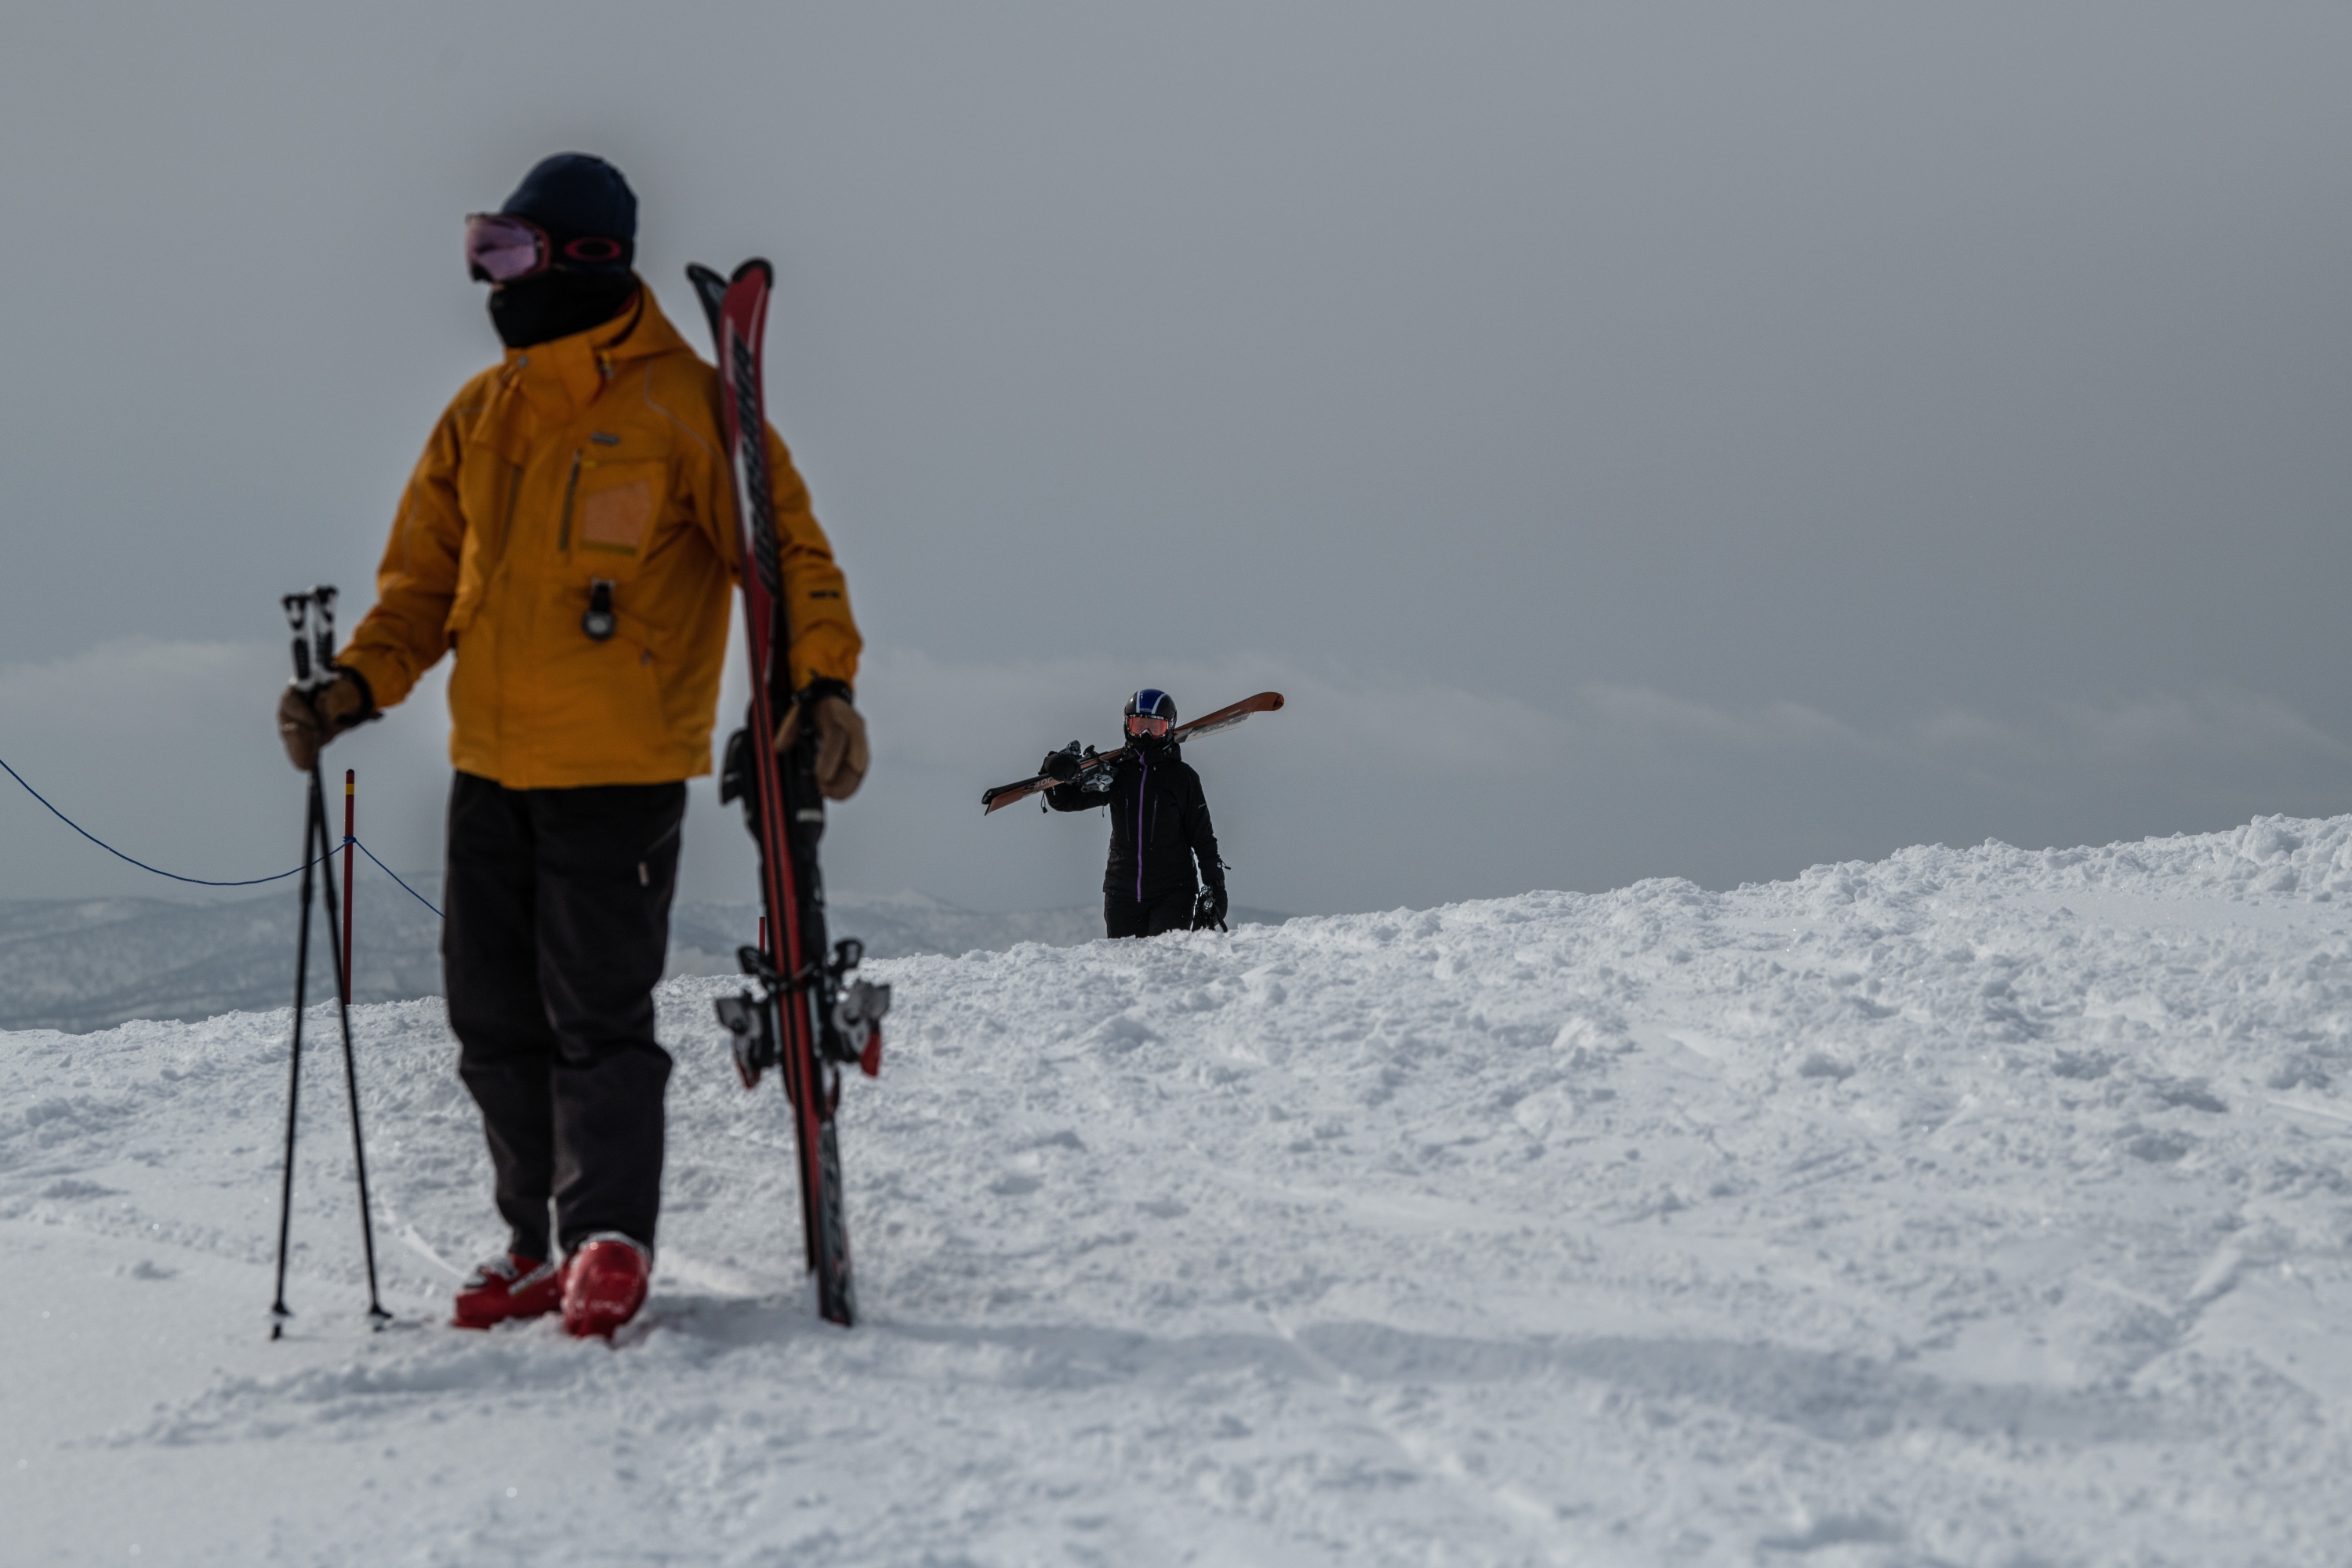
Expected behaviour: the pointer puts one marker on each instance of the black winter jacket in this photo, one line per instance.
(1159, 824)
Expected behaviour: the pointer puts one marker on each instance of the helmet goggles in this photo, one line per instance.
(503, 249)
(1141, 725)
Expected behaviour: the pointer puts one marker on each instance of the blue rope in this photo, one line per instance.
(111, 850)
(395, 877)
(200, 882)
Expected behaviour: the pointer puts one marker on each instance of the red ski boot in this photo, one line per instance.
(508, 1288)
(604, 1284)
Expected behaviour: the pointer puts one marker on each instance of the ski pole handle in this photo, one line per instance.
(311, 616)
(298, 617)
(322, 634)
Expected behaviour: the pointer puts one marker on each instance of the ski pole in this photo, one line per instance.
(339, 942)
(279, 1311)
(298, 616)
(313, 617)
(351, 795)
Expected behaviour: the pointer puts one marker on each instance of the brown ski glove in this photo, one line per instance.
(841, 750)
(304, 724)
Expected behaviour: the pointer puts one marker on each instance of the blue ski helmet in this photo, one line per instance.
(1150, 704)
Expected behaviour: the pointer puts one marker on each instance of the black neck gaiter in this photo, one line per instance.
(557, 304)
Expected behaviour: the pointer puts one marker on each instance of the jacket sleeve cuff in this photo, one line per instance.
(367, 709)
(825, 686)
(375, 674)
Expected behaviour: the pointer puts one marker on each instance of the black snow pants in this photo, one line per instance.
(558, 923)
(1123, 916)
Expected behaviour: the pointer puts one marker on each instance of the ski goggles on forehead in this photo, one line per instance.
(1146, 724)
(500, 249)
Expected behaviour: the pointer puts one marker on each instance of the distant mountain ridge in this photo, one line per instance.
(80, 965)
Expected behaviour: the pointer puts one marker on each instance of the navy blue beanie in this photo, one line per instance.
(580, 201)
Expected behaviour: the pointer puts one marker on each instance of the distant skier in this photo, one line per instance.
(567, 536)
(1159, 826)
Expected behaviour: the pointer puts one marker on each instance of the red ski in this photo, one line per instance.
(805, 1017)
(1002, 795)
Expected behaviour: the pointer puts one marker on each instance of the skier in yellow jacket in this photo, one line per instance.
(569, 536)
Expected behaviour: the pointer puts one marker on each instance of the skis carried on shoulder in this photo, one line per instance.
(803, 1015)
(1002, 795)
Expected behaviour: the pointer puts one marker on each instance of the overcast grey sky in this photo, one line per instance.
(1643, 439)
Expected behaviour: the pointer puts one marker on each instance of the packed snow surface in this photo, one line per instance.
(1973, 1207)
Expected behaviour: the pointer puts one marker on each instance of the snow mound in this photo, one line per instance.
(1971, 1206)
(2279, 857)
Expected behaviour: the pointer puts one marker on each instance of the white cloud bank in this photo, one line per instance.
(1357, 795)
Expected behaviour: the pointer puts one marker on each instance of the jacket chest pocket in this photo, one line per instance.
(610, 510)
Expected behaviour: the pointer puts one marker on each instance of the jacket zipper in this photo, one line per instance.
(570, 488)
(1141, 790)
(514, 494)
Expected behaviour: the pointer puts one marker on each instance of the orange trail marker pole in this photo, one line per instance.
(350, 793)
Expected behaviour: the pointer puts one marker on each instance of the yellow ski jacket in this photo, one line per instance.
(594, 459)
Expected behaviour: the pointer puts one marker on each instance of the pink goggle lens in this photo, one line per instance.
(503, 248)
(1146, 724)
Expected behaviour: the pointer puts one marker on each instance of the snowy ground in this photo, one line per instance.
(1974, 1207)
